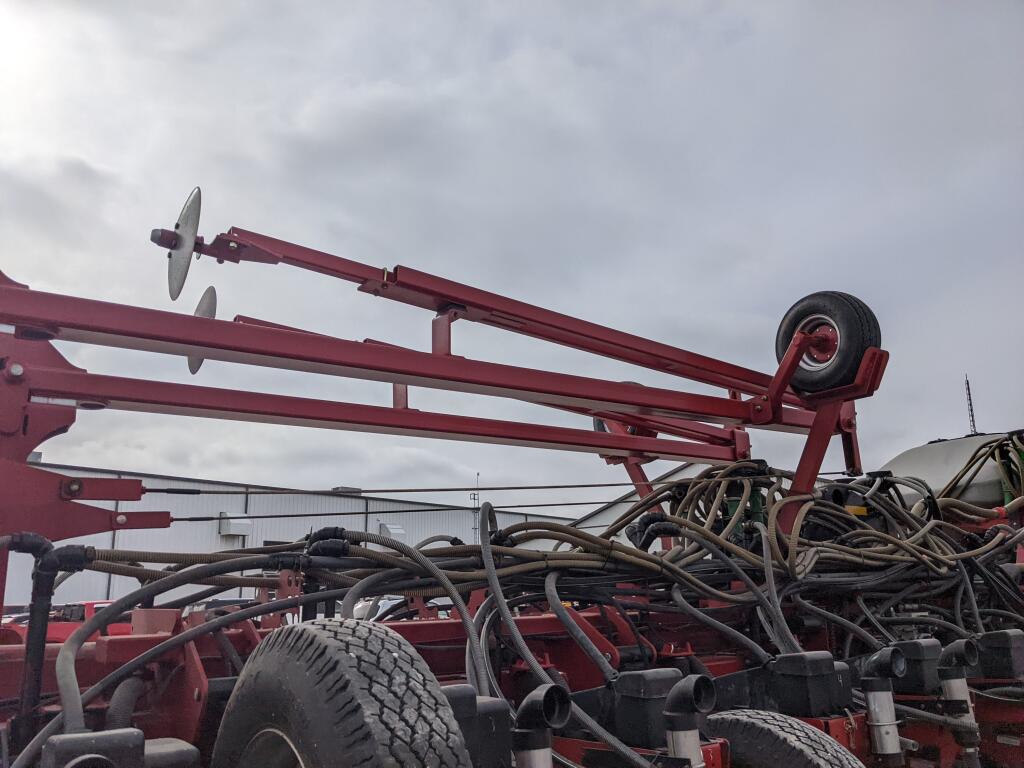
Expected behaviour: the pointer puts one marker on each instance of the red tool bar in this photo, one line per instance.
(188, 400)
(269, 250)
(688, 430)
(88, 321)
(438, 294)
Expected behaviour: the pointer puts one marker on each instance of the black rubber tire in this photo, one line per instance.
(858, 331)
(345, 694)
(600, 426)
(759, 739)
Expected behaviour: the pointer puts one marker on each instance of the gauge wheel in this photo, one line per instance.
(338, 694)
(845, 328)
(759, 739)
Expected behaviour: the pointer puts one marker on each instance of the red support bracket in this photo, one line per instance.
(833, 412)
(44, 503)
(441, 330)
(766, 406)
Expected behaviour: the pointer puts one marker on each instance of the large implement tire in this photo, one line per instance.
(849, 326)
(759, 739)
(338, 694)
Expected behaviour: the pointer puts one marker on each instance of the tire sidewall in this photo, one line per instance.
(344, 693)
(290, 702)
(856, 330)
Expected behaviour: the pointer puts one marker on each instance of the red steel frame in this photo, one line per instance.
(42, 390)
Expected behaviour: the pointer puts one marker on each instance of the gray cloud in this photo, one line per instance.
(680, 171)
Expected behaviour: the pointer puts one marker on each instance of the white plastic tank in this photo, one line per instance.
(939, 461)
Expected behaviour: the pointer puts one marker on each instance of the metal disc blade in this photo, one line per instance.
(180, 257)
(207, 308)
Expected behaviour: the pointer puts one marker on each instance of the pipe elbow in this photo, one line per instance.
(959, 653)
(546, 707)
(29, 543)
(889, 663)
(688, 699)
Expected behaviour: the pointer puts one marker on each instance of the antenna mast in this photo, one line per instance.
(970, 405)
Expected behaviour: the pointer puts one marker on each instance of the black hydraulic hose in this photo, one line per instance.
(392, 611)
(1008, 693)
(44, 576)
(485, 618)
(927, 621)
(889, 603)
(737, 637)
(609, 672)
(230, 653)
(999, 582)
(28, 756)
(869, 639)
(1012, 692)
(451, 540)
(648, 659)
(914, 713)
(356, 592)
(309, 587)
(487, 555)
(972, 599)
(773, 594)
(472, 675)
(957, 612)
(63, 577)
(1007, 615)
(195, 597)
(755, 591)
(122, 702)
(67, 679)
(873, 620)
(485, 635)
(930, 717)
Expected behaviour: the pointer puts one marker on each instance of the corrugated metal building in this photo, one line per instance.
(236, 515)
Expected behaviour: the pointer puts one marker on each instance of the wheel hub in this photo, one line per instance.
(825, 340)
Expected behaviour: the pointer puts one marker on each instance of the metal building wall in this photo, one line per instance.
(269, 515)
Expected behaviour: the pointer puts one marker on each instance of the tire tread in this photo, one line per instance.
(774, 739)
(385, 706)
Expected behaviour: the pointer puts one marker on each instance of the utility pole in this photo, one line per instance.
(474, 501)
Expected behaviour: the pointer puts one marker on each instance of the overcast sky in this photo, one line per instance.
(684, 171)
